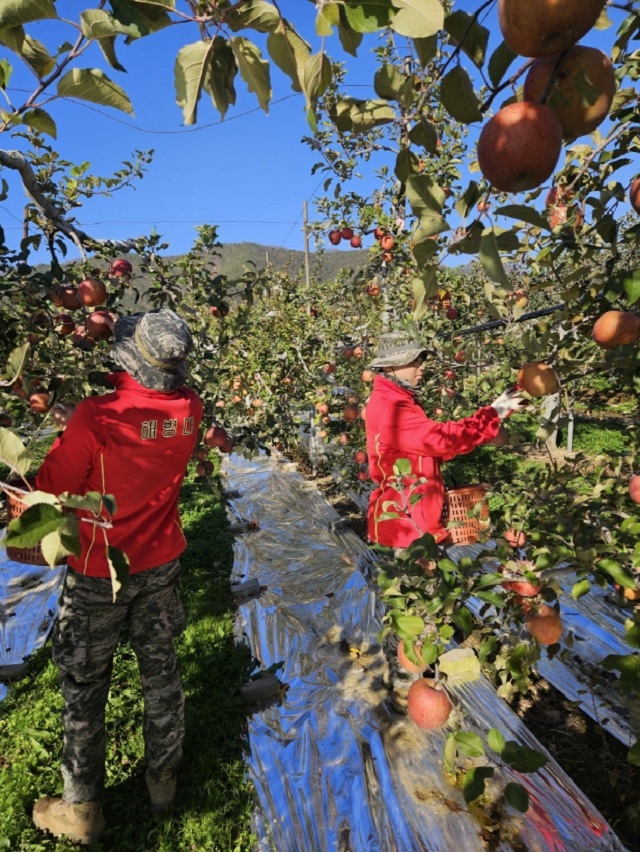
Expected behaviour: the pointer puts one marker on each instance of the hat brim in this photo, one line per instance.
(400, 358)
(127, 355)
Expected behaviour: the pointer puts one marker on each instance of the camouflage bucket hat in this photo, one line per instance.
(397, 349)
(152, 347)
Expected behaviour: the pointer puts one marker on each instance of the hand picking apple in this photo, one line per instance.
(508, 402)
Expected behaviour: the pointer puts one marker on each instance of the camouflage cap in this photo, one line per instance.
(152, 347)
(397, 349)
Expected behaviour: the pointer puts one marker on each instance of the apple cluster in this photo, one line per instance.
(520, 145)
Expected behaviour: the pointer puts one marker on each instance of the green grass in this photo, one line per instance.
(214, 799)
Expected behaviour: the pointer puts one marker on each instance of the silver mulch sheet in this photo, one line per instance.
(334, 767)
(28, 605)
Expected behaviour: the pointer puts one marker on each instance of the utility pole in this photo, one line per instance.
(307, 273)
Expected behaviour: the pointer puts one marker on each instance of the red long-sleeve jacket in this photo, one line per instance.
(397, 427)
(134, 443)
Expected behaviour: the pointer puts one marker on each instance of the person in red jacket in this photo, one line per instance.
(133, 443)
(397, 427)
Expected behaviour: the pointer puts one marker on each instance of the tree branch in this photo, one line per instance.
(15, 160)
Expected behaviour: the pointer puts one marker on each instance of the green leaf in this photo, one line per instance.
(316, 77)
(13, 38)
(491, 597)
(402, 467)
(190, 71)
(89, 502)
(36, 55)
(469, 744)
(13, 13)
(327, 18)
(388, 82)
(631, 284)
(522, 758)
(516, 796)
(633, 755)
(424, 287)
(118, 569)
(423, 193)
(13, 452)
(500, 60)
(109, 504)
(40, 120)
(424, 133)
(99, 24)
(490, 258)
(474, 782)
(34, 523)
(92, 84)
(220, 75)
(495, 740)
(629, 667)
(108, 48)
(15, 363)
(356, 116)
(617, 572)
(408, 626)
(406, 164)
(525, 214)
(418, 18)
(367, 16)
(463, 619)
(580, 588)
(129, 15)
(458, 97)
(449, 753)
(256, 15)
(426, 49)
(349, 40)
(465, 30)
(290, 53)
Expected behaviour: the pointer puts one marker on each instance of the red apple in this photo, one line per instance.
(616, 328)
(67, 297)
(346, 233)
(546, 26)
(360, 457)
(579, 67)
(120, 267)
(355, 241)
(63, 324)
(634, 488)
(519, 147)
(335, 237)
(92, 292)
(100, 325)
(634, 194)
(216, 436)
(82, 339)
(39, 402)
(428, 706)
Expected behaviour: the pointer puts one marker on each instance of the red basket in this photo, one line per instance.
(458, 505)
(15, 507)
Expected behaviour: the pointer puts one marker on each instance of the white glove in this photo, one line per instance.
(508, 402)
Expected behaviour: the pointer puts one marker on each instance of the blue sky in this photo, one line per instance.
(248, 173)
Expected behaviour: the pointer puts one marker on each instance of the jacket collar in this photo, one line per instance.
(386, 382)
(123, 381)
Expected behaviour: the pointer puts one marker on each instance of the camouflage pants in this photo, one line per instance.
(85, 637)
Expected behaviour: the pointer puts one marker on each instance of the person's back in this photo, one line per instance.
(133, 443)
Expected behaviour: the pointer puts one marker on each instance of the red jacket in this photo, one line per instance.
(134, 443)
(398, 428)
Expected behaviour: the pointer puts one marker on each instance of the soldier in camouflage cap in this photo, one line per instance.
(152, 347)
(135, 444)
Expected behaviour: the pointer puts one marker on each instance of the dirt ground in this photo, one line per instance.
(594, 759)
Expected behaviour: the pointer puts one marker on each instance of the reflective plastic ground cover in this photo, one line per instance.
(335, 768)
(28, 605)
